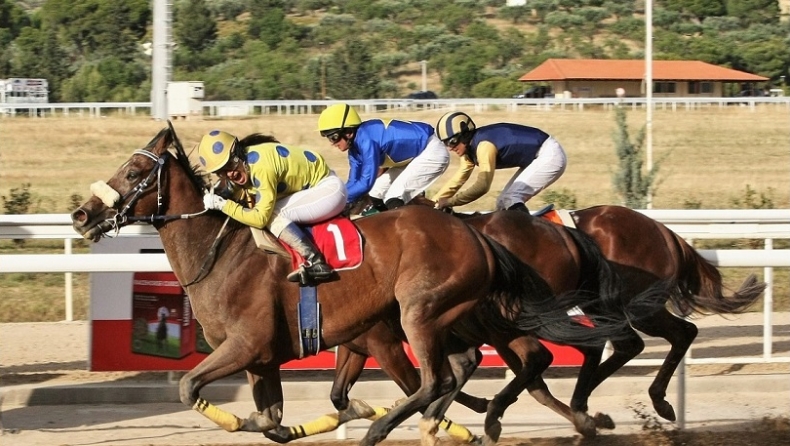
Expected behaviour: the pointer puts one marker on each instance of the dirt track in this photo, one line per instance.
(44, 354)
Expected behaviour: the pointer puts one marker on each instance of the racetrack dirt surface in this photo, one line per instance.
(55, 353)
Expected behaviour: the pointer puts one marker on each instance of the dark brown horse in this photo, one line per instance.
(432, 267)
(645, 253)
(566, 258)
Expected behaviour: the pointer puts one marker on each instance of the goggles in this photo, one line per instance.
(333, 136)
(452, 142)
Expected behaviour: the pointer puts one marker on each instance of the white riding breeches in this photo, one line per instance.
(413, 179)
(527, 182)
(321, 202)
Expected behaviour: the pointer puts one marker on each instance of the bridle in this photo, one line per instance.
(153, 179)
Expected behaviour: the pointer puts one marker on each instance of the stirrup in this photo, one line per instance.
(306, 276)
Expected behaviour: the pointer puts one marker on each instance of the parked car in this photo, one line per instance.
(751, 92)
(537, 91)
(428, 94)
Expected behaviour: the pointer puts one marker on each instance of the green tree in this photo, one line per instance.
(98, 28)
(350, 73)
(754, 11)
(195, 27)
(631, 184)
(699, 9)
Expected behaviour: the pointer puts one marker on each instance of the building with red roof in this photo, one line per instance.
(596, 78)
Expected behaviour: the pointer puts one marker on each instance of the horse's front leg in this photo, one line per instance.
(229, 358)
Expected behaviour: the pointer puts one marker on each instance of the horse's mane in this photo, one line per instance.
(255, 139)
(194, 172)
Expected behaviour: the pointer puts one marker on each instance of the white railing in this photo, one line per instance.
(289, 107)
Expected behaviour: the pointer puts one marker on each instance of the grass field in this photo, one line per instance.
(709, 158)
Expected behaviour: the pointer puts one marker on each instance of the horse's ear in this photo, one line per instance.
(175, 141)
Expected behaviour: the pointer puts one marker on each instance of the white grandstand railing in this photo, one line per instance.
(290, 107)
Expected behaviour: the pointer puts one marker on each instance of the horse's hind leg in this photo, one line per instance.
(348, 369)
(462, 365)
(680, 334)
(425, 343)
(230, 357)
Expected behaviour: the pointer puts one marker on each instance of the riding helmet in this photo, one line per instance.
(452, 124)
(215, 149)
(338, 117)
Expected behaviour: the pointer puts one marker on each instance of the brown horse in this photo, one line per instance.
(433, 267)
(567, 259)
(645, 253)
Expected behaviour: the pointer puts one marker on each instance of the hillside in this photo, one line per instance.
(91, 50)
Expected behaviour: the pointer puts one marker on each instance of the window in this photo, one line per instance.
(664, 87)
(697, 87)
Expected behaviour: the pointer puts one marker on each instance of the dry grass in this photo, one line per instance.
(709, 155)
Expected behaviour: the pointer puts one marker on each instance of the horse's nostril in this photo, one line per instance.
(79, 216)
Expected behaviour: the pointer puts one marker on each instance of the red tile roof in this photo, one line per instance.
(663, 70)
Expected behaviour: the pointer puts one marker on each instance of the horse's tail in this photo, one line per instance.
(701, 290)
(597, 275)
(522, 300)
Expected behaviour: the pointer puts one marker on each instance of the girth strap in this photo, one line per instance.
(309, 321)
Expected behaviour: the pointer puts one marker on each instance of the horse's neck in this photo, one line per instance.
(188, 244)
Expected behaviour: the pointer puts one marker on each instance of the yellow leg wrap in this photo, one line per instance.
(380, 412)
(457, 431)
(324, 423)
(225, 420)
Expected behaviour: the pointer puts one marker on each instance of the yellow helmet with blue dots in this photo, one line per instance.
(215, 149)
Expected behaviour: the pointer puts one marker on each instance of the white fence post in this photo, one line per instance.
(68, 284)
(768, 305)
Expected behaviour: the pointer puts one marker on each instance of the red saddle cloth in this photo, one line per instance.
(338, 240)
(553, 217)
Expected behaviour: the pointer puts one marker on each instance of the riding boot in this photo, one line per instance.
(519, 207)
(394, 203)
(314, 266)
(378, 204)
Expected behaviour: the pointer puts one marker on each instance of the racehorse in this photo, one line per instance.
(645, 252)
(564, 257)
(433, 267)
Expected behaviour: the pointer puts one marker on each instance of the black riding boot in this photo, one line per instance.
(394, 203)
(314, 267)
(519, 207)
(376, 205)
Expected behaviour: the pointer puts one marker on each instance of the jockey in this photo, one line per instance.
(284, 185)
(540, 159)
(412, 156)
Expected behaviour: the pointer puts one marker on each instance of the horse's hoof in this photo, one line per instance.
(585, 425)
(488, 441)
(279, 434)
(257, 422)
(493, 431)
(664, 410)
(603, 421)
(357, 409)
(476, 441)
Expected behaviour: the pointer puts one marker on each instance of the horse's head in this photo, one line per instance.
(137, 191)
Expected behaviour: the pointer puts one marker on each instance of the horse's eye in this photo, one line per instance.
(132, 175)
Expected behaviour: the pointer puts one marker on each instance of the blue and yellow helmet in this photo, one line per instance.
(453, 124)
(215, 150)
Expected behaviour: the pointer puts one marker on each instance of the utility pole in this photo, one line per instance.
(323, 77)
(323, 70)
(424, 65)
